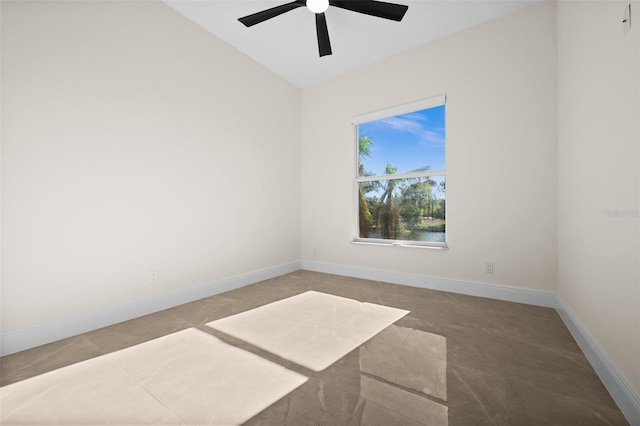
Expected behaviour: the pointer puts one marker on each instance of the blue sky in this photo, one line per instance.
(407, 142)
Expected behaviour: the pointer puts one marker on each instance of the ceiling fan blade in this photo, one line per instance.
(262, 16)
(374, 8)
(324, 44)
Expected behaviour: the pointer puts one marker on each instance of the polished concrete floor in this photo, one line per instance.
(451, 360)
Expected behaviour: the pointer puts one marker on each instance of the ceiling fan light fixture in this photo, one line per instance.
(317, 6)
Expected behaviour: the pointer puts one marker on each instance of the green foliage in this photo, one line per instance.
(365, 218)
(405, 205)
(418, 200)
(390, 170)
(388, 216)
(364, 146)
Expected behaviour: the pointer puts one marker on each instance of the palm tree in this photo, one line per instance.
(364, 213)
(389, 215)
(388, 218)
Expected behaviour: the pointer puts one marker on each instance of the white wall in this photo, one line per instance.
(598, 180)
(124, 123)
(500, 82)
(133, 140)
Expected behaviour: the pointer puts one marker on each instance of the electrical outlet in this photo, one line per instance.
(153, 277)
(488, 267)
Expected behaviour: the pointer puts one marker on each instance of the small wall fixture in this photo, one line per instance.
(626, 19)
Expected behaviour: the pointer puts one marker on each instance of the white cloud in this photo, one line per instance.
(415, 124)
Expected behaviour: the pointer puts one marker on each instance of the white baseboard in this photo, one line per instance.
(492, 291)
(19, 340)
(623, 394)
(621, 391)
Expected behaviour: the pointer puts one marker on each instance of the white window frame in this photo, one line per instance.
(379, 115)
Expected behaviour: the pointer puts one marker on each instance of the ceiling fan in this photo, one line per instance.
(380, 9)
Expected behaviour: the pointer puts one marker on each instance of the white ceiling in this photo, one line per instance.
(287, 44)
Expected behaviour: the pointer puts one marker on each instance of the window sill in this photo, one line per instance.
(407, 244)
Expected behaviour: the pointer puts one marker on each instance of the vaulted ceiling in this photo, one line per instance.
(287, 44)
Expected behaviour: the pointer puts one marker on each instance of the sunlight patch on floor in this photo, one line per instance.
(312, 329)
(188, 377)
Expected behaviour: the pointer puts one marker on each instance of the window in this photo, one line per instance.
(401, 174)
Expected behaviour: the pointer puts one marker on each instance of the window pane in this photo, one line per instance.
(403, 209)
(404, 143)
